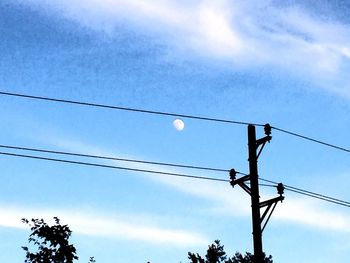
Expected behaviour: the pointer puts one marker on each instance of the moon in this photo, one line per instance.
(178, 124)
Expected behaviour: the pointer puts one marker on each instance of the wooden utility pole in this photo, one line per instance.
(255, 197)
(254, 149)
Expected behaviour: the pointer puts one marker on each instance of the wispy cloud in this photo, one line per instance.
(235, 202)
(248, 34)
(128, 227)
(312, 214)
(217, 192)
(222, 200)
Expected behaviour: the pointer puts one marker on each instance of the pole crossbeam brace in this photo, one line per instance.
(245, 188)
(262, 142)
(269, 203)
(241, 182)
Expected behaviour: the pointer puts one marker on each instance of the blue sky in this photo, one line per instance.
(263, 62)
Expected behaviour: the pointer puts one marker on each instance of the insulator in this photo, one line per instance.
(233, 174)
(267, 129)
(280, 189)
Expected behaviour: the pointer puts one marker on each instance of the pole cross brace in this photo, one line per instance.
(269, 203)
(262, 142)
(241, 182)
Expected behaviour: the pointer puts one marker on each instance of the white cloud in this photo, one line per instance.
(312, 214)
(214, 33)
(222, 194)
(243, 33)
(202, 26)
(129, 227)
(345, 51)
(235, 202)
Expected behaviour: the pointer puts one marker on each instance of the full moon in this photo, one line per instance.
(179, 124)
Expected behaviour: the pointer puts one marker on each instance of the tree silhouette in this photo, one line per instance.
(52, 243)
(217, 254)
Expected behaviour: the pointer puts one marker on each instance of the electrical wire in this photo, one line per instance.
(311, 139)
(343, 203)
(268, 181)
(311, 194)
(126, 108)
(113, 158)
(112, 167)
(271, 183)
(290, 188)
(26, 96)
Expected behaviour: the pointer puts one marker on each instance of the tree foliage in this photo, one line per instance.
(217, 254)
(51, 242)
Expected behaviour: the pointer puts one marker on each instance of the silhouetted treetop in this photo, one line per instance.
(50, 243)
(217, 254)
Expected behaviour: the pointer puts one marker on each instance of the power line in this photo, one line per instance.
(170, 114)
(272, 183)
(113, 158)
(311, 139)
(290, 188)
(343, 203)
(125, 108)
(311, 194)
(113, 167)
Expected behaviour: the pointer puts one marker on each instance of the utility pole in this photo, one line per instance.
(255, 197)
(255, 148)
